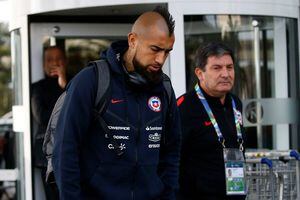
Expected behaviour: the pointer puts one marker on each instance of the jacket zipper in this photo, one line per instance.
(136, 144)
(138, 132)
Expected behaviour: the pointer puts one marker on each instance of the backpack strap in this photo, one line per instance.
(167, 114)
(102, 99)
(168, 88)
(103, 76)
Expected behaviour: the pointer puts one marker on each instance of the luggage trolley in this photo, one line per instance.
(273, 175)
(259, 179)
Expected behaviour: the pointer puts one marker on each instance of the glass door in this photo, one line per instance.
(265, 70)
(12, 168)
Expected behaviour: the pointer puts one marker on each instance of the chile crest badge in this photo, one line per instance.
(154, 103)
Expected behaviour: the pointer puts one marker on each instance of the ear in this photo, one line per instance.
(199, 73)
(132, 39)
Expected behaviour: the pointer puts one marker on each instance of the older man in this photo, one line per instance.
(212, 130)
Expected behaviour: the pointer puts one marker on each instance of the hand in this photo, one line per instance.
(60, 72)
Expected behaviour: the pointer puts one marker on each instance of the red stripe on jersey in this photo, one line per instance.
(180, 100)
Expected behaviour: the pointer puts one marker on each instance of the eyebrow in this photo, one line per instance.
(162, 49)
(223, 65)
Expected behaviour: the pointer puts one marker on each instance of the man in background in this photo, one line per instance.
(44, 94)
(211, 122)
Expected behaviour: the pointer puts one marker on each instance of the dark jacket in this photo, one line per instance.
(44, 94)
(202, 171)
(86, 166)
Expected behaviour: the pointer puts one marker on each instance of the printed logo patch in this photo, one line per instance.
(207, 123)
(154, 104)
(121, 137)
(118, 128)
(153, 128)
(122, 146)
(114, 101)
(153, 146)
(154, 137)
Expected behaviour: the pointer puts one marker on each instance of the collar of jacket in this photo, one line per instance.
(216, 102)
(114, 55)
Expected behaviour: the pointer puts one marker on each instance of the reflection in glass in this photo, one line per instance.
(237, 32)
(5, 70)
(80, 51)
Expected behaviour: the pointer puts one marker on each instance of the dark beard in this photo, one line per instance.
(152, 77)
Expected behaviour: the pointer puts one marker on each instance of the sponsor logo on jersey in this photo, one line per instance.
(153, 128)
(154, 104)
(122, 146)
(154, 137)
(153, 146)
(123, 128)
(121, 137)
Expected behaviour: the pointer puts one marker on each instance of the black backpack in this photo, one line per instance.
(101, 102)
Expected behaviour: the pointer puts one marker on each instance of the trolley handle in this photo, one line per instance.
(284, 159)
(267, 162)
(295, 154)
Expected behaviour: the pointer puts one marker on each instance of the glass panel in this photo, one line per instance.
(237, 32)
(287, 107)
(278, 63)
(294, 85)
(5, 98)
(7, 157)
(7, 190)
(7, 138)
(80, 51)
(5, 70)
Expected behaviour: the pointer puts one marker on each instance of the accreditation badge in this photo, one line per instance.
(234, 171)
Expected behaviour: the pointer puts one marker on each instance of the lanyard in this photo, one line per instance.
(214, 121)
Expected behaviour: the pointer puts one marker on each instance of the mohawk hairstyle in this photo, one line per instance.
(167, 16)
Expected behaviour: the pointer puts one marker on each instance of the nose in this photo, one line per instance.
(160, 57)
(225, 72)
(56, 62)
